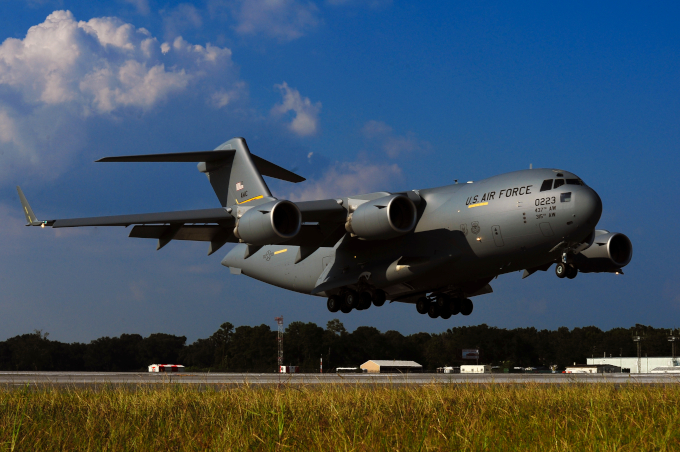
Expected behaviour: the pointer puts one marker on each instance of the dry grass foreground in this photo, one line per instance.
(343, 417)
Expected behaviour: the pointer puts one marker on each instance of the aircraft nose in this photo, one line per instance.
(589, 206)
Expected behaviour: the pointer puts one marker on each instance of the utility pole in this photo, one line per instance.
(638, 340)
(672, 339)
(279, 321)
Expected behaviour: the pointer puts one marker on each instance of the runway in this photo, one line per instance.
(139, 378)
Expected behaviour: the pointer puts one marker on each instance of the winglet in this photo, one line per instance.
(30, 216)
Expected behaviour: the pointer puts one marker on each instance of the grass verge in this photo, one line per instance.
(343, 417)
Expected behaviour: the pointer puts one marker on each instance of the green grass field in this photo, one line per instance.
(343, 417)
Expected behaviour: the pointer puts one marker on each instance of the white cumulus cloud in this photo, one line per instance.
(305, 114)
(65, 71)
(349, 178)
(281, 19)
(142, 6)
(383, 136)
(101, 64)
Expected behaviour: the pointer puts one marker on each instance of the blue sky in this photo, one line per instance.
(356, 96)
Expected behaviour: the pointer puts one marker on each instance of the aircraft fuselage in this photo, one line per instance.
(466, 234)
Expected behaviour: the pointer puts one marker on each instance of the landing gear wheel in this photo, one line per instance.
(561, 269)
(455, 305)
(466, 307)
(572, 272)
(379, 297)
(433, 311)
(352, 300)
(345, 309)
(442, 301)
(364, 301)
(333, 303)
(445, 314)
(422, 304)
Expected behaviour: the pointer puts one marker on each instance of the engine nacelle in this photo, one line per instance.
(609, 252)
(269, 224)
(383, 218)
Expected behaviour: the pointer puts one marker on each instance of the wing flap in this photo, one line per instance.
(196, 233)
(185, 216)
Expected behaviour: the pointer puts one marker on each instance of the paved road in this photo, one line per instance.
(132, 378)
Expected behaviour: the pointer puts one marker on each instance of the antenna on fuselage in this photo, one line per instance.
(531, 166)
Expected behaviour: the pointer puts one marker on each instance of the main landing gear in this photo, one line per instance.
(563, 270)
(355, 300)
(444, 306)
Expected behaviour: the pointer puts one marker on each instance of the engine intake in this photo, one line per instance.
(383, 218)
(269, 224)
(609, 252)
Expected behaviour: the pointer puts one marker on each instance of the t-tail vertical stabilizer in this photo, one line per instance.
(234, 173)
(236, 178)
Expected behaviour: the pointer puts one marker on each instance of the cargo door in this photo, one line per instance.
(497, 236)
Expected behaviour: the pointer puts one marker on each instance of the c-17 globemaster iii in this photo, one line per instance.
(435, 247)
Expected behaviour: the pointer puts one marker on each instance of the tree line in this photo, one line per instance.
(254, 348)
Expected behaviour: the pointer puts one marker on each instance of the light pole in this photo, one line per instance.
(638, 340)
(672, 339)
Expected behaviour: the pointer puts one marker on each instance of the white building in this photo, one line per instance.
(666, 370)
(390, 366)
(476, 369)
(166, 368)
(646, 363)
(592, 369)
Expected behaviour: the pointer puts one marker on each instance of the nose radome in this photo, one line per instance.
(589, 206)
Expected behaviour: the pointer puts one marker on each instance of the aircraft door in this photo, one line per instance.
(497, 236)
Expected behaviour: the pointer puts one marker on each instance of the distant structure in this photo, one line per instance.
(592, 369)
(390, 366)
(672, 339)
(638, 340)
(475, 369)
(666, 370)
(279, 321)
(166, 368)
(634, 365)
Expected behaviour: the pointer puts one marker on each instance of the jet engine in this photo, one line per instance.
(608, 253)
(383, 218)
(269, 224)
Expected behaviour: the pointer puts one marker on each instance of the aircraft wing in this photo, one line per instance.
(209, 225)
(185, 216)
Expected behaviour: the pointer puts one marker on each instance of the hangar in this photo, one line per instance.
(390, 366)
(647, 364)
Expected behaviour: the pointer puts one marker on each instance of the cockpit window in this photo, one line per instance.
(565, 197)
(558, 183)
(547, 185)
(574, 182)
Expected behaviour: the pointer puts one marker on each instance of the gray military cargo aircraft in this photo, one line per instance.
(435, 248)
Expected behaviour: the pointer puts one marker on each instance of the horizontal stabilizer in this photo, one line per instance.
(265, 167)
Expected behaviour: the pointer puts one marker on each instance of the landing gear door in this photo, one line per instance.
(497, 236)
